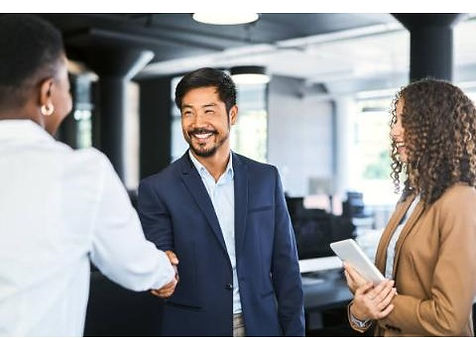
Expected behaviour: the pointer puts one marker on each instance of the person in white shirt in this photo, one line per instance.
(59, 208)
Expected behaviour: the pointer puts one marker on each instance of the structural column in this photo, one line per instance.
(431, 44)
(345, 161)
(115, 67)
(155, 125)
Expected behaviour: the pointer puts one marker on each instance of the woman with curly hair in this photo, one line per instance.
(428, 249)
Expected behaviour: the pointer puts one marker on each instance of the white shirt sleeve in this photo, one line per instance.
(119, 248)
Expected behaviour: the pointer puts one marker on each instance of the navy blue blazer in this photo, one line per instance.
(177, 214)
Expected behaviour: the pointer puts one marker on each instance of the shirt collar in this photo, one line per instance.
(227, 175)
(22, 129)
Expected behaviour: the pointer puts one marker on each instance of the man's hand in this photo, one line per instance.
(168, 289)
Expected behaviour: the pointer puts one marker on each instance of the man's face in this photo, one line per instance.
(205, 121)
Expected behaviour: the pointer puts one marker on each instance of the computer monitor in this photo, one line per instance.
(354, 205)
(315, 229)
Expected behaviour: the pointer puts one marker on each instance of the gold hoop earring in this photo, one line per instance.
(47, 109)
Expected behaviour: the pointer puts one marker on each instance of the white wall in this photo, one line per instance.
(299, 135)
(131, 136)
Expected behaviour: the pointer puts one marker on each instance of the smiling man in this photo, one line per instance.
(225, 217)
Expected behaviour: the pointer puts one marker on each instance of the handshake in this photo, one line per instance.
(168, 289)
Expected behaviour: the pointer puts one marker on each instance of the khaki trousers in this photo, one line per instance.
(238, 325)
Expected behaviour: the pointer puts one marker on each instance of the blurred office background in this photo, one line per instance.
(322, 117)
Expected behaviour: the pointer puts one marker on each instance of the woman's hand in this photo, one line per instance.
(353, 278)
(168, 290)
(165, 291)
(373, 302)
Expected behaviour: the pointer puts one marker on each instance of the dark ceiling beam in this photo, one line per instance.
(211, 41)
(133, 38)
(71, 24)
(413, 21)
(187, 29)
(149, 21)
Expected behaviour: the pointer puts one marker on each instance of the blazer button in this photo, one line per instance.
(229, 286)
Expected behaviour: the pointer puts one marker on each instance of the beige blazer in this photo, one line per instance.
(434, 268)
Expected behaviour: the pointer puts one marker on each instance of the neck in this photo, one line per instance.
(216, 164)
(21, 114)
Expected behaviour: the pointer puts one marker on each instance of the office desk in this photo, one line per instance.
(324, 291)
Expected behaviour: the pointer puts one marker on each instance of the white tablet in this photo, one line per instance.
(349, 251)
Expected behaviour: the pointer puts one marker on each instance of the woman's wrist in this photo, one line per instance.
(355, 313)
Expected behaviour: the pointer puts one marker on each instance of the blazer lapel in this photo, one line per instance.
(381, 255)
(241, 201)
(195, 186)
(410, 224)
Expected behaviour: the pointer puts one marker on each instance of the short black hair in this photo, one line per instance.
(207, 77)
(28, 45)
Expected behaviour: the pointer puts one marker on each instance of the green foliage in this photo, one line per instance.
(380, 168)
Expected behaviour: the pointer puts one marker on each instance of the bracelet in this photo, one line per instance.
(359, 323)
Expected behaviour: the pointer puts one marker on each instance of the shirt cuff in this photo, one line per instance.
(165, 270)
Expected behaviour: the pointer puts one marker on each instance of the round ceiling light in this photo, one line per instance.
(225, 18)
(249, 75)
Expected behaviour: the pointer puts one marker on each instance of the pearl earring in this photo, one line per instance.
(47, 109)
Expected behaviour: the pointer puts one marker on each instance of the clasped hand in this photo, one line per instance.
(168, 289)
(370, 302)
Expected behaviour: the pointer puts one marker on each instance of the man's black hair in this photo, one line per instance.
(29, 46)
(207, 77)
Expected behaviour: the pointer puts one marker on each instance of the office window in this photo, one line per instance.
(372, 140)
(178, 144)
(83, 120)
(85, 128)
(81, 87)
(248, 136)
(471, 94)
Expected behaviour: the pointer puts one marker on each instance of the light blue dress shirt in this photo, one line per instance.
(222, 195)
(393, 241)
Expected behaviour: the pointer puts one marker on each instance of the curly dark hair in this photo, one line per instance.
(440, 138)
